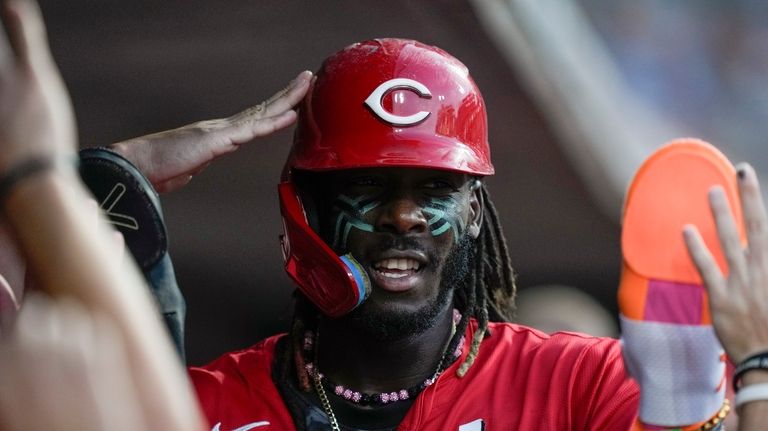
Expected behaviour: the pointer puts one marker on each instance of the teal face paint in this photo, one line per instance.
(444, 212)
(443, 215)
(351, 213)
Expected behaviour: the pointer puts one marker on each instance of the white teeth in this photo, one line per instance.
(393, 275)
(399, 264)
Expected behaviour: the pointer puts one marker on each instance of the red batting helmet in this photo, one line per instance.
(384, 102)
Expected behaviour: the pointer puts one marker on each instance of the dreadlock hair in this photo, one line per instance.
(487, 295)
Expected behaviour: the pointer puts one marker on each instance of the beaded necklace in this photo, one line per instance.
(323, 384)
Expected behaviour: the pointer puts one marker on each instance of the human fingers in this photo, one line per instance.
(755, 220)
(720, 305)
(27, 34)
(277, 105)
(704, 262)
(289, 96)
(252, 127)
(36, 115)
(728, 234)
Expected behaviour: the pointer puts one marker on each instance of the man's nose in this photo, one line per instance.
(401, 215)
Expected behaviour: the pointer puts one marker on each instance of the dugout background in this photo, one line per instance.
(143, 66)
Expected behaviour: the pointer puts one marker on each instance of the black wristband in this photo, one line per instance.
(757, 361)
(26, 169)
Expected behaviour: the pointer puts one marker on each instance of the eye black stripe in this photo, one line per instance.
(340, 227)
(442, 229)
(356, 209)
(438, 225)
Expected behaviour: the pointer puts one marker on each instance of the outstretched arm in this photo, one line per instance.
(170, 159)
(739, 300)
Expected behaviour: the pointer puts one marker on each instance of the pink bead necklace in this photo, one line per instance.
(381, 398)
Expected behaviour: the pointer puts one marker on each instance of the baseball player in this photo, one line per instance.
(405, 287)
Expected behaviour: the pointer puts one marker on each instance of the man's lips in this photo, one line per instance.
(397, 264)
(398, 271)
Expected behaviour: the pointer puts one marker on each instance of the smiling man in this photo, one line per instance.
(403, 274)
(404, 279)
(406, 229)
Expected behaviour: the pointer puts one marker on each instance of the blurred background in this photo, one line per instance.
(578, 93)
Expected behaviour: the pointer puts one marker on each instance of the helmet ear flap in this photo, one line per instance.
(311, 211)
(335, 284)
(308, 191)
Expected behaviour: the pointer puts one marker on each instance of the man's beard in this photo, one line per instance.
(391, 325)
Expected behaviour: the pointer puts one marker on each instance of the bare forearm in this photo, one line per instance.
(47, 212)
(753, 416)
(69, 255)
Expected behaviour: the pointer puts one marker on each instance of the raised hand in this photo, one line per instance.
(36, 117)
(36, 122)
(738, 300)
(668, 343)
(170, 159)
(47, 212)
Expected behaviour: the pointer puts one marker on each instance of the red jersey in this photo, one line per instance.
(522, 379)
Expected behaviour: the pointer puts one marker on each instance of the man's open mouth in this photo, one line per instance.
(398, 270)
(397, 267)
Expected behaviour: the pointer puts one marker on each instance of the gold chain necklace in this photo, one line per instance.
(326, 403)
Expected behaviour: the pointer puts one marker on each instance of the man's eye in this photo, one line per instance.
(439, 185)
(365, 182)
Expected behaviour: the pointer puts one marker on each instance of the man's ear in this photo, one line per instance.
(476, 206)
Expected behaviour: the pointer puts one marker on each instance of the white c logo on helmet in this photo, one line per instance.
(374, 101)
